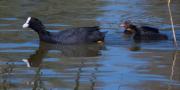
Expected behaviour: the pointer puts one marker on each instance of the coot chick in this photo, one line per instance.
(127, 24)
(140, 35)
(78, 35)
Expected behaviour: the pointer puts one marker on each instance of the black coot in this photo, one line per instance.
(70, 36)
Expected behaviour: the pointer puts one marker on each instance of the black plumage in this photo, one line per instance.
(69, 36)
(149, 29)
(140, 35)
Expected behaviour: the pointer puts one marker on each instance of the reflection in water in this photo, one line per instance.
(5, 74)
(78, 77)
(161, 71)
(37, 82)
(77, 80)
(93, 79)
(91, 50)
(172, 69)
(173, 65)
(135, 46)
(35, 60)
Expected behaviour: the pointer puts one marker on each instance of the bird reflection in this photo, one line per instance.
(172, 70)
(90, 50)
(135, 46)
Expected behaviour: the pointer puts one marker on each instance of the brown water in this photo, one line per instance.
(119, 64)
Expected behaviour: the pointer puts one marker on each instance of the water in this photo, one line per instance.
(119, 64)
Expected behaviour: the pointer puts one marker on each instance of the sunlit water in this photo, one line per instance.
(119, 64)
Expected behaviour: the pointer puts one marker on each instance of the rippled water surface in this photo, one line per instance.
(119, 64)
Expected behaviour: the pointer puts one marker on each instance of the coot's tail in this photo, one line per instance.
(96, 36)
(92, 29)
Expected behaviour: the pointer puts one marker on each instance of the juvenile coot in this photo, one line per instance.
(77, 35)
(127, 24)
(140, 35)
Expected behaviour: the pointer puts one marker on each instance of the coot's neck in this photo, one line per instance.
(43, 34)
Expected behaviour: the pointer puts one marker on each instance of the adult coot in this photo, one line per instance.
(148, 29)
(77, 35)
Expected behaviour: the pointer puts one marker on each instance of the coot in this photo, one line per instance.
(127, 24)
(140, 35)
(77, 35)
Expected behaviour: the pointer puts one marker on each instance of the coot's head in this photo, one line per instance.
(33, 23)
(126, 24)
(129, 27)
